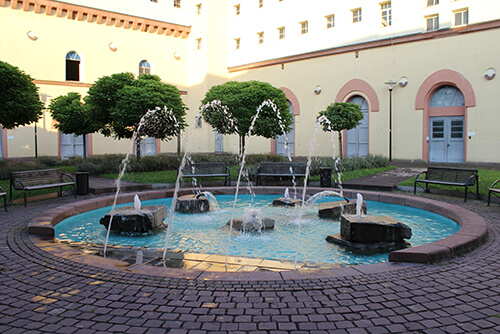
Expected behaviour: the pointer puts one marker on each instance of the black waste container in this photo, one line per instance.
(325, 175)
(82, 183)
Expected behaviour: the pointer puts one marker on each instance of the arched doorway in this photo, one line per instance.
(357, 138)
(447, 125)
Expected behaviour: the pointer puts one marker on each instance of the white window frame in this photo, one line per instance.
(357, 15)
(237, 43)
(198, 44)
(237, 9)
(386, 12)
(464, 17)
(281, 33)
(198, 9)
(434, 20)
(304, 27)
(260, 37)
(145, 67)
(261, 3)
(432, 3)
(330, 21)
(177, 3)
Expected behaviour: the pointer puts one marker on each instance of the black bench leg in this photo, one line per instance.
(489, 197)
(5, 202)
(24, 193)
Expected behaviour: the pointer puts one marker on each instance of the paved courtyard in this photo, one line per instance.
(43, 293)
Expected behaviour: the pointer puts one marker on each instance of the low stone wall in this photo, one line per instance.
(472, 234)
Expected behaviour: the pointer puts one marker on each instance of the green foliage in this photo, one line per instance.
(230, 107)
(19, 100)
(70, 113)
(340, 116)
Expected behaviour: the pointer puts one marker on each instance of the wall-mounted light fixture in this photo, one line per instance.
(403, 82)
(177, 56)
(490, 73)
(32, 35)
(112, 47)
(317, 90)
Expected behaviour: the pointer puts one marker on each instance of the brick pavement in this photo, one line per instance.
(42, 293)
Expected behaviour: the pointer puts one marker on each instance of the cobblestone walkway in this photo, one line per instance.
(41, 293)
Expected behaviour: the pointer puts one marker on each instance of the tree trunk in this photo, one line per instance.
(242, 145)
(138, 149)
(340, 144)
(85, 146)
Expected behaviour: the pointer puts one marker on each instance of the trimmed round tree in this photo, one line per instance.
(19, 100)
(230, 108)
(340, 116)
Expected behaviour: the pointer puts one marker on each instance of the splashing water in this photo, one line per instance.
(253, 219)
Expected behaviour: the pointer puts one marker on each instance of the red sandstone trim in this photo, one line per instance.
(98, 16)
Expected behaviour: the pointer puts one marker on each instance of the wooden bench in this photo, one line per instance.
(207, 169)
(40, 179)
(280, 170)
(3, 194)
(449, 176)
(493, 190)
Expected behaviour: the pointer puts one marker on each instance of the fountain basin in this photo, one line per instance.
(472, 234)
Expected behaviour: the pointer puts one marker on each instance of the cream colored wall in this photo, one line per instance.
(44, 59)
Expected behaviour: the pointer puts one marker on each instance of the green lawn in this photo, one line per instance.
(486, 178)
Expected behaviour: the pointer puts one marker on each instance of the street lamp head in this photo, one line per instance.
(391, 84)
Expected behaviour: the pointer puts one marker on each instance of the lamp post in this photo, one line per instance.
(391, 87)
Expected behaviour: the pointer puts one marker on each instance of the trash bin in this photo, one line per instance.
(325, 175)
(82, 183)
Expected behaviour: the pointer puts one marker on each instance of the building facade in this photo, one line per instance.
(424, 71)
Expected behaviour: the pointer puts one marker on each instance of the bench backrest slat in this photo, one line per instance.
(449, 174)
(282, 168)
(38, 177)
(205, 168)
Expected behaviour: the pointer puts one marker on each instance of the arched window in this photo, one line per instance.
(144, 67)
(72, 66)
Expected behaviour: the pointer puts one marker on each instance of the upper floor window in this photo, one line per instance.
(260, 36)
(154, 0)
(72, 66)
(198, 9)
(304, 27)
(198, 44)
(386, 14)
(144, 67)
(237, 44)
(261, 3)
(281, 32)
(432, 23)
(462, 17)
(237, 9)
(330, 21)
(356, 15)
(432, 2)
(177, 3)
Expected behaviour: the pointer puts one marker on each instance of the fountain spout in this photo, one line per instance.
(137, 203)
(359, 204)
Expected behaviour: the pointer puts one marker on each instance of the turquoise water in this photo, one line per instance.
(207, 233)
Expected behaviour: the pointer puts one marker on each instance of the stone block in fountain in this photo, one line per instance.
(193, 203)
(287, 201)
(240, 224)
(333, 210)
(130, 220)
(371, 233)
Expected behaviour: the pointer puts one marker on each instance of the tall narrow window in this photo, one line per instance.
(261, 3)
(177, 3)
(330, 21)
(462, 18)
(432, 2)
(237, 9)
(198, 44)
(386, 14)
(198, 9)
(432, 22)
(237, 44)
(72, 66)
(356, 15)
(144, 67)
(281, 32)
(304, 27)
(260, 37)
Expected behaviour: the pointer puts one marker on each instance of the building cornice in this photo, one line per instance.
(97, 16)
(370, 45)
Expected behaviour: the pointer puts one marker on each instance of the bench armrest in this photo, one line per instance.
(472, 177)
(421, 173)
(494, 183)
(68, 176)
(13, 183)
